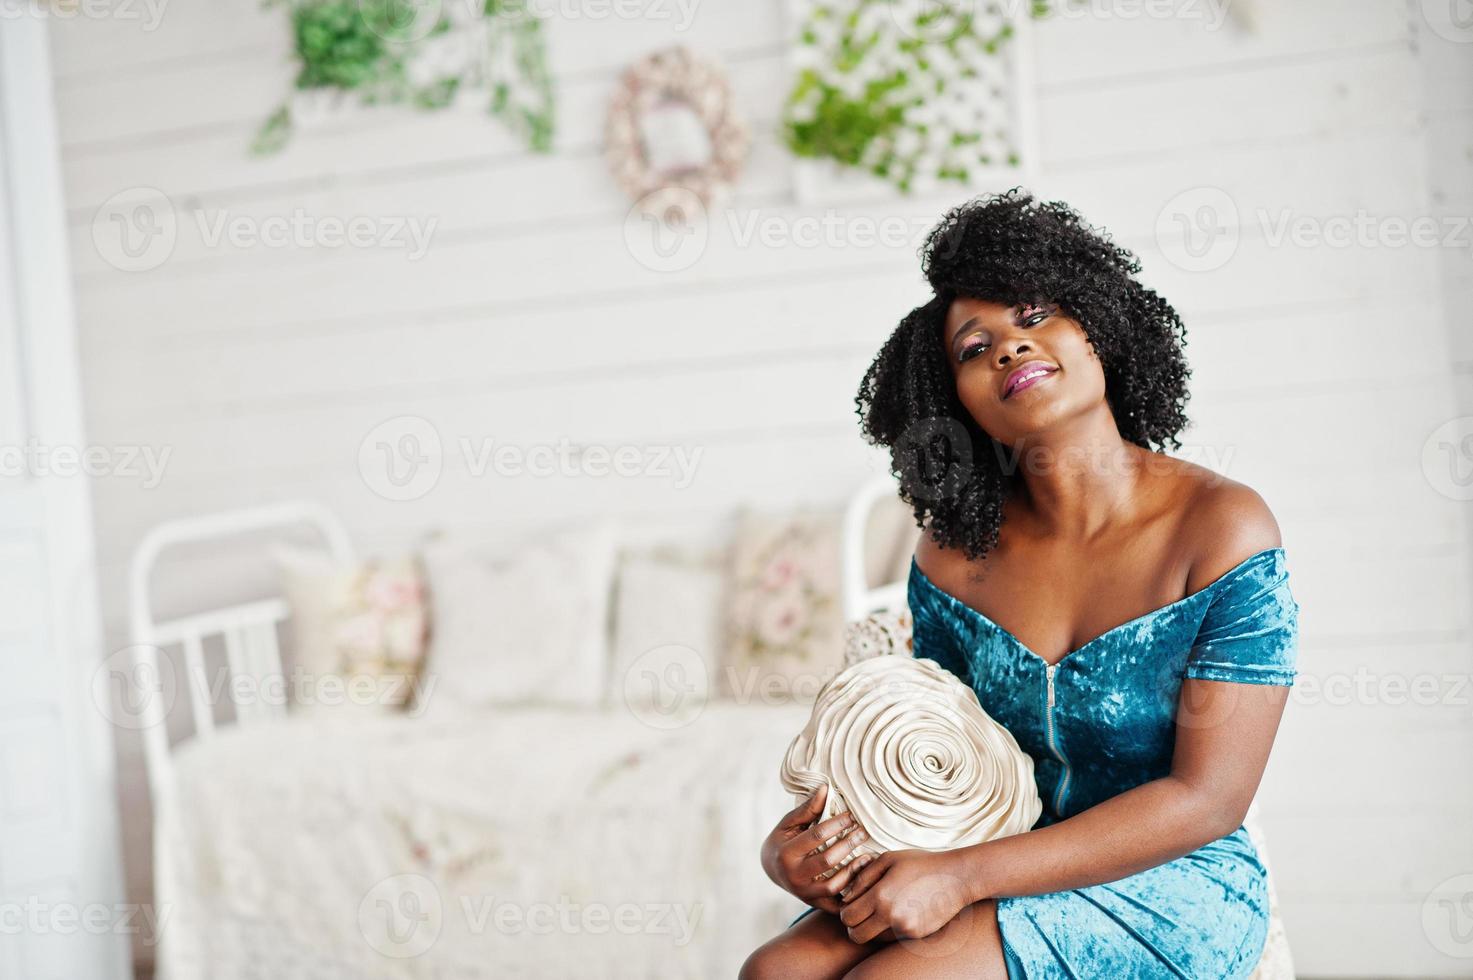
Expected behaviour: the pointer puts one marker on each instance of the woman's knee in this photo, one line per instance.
(970, 944)
(817, 948)
(765, 963)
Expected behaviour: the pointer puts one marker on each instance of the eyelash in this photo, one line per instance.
(967, 352)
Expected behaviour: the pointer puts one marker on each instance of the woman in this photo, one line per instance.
(1126, 615)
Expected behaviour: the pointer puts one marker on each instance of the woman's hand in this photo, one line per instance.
(909, 894)
(791, 858)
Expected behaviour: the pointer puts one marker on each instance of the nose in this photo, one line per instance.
(1010, 348)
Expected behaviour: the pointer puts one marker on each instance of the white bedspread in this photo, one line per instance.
(528, 842)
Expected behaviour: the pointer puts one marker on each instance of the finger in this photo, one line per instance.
(820, 833)
(853, 888)
(821, 864)
(842, 855)
(871, 929)
(837, 851)
(840, 879)
(866, 877)
(825, 904)
(808, 809)
(858, 918)
(855, 912)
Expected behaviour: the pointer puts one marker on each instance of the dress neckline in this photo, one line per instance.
(915, 569)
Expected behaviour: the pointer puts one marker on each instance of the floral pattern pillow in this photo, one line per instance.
(359, 630)
(784, 622)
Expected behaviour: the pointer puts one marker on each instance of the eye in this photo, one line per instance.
(970, 351)
(1035, 319)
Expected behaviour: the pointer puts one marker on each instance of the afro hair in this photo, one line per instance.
(1009, 248)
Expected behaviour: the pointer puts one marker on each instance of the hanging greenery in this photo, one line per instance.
(409, 52)
(907, 91)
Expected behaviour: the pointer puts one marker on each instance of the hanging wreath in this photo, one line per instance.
(672, 133)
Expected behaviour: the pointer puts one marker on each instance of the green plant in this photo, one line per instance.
(899, 93)
(520, 82)
(373, 48)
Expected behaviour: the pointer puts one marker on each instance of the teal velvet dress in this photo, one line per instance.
(1100, 722)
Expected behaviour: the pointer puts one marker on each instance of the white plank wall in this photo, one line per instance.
(1319, 371)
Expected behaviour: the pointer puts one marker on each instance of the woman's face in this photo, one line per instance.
(988, 343)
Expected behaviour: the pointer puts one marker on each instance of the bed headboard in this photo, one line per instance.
(248, 630)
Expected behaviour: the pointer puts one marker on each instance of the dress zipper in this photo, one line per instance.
(1052, 742)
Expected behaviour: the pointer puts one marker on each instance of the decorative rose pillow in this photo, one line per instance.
(784, 621)
(358, 629)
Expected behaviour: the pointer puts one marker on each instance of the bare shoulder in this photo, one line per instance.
(929, 554)
(939, 564)
(1228, 522)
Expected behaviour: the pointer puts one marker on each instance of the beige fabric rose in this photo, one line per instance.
(906, 746)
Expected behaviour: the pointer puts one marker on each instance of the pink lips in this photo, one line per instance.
(1026, 376)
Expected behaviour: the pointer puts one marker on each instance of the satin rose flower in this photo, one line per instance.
(906, 746)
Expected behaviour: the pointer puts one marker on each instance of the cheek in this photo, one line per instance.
(1078, 353)
(979, 397)
(971, 386)
(1073, 339)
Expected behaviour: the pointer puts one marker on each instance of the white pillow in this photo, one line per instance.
(523, 627)
(663, 600)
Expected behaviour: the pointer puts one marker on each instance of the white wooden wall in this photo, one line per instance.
(1319, 371)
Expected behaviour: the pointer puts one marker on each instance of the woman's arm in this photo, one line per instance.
(1223, 737)
(1224, 733)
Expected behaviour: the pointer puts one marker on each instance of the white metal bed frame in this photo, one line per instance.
(248, 629)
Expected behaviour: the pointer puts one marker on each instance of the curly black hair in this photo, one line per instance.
(1009, 248)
